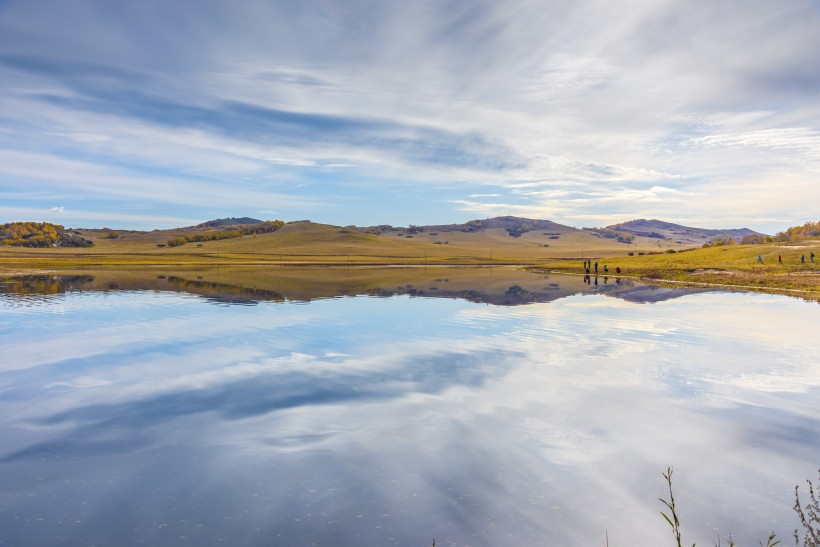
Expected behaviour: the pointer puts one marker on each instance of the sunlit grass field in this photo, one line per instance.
(324, 244)
(735, 265)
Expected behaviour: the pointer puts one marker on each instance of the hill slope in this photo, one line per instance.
(230, 221)
(677, 232)
(513, 225)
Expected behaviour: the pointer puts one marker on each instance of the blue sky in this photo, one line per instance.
(159, 114)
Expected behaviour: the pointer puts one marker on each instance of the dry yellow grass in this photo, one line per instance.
(324, 244)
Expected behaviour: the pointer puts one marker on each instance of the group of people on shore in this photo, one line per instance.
(588, 266)
(591, 269)
(780, 258)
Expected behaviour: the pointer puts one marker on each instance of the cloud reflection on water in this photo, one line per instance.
(362, 419)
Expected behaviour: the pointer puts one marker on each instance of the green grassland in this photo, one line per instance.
(305, 243)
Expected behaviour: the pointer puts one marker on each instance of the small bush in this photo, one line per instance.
(265, 227)
(809, 516)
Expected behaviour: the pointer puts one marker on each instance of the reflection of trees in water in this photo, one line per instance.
(44, 284)
(41, 288)
(33, 289)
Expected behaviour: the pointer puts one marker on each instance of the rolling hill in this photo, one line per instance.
(230, 221)
(678, 233)
(513, 225)
(500, 240)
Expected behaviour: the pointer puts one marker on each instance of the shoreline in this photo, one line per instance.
(781, 283)
(726, 286)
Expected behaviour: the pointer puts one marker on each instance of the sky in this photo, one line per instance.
(156, 114)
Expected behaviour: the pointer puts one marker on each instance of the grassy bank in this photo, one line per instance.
(734, 265)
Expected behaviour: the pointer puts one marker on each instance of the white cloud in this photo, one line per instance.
(78, 215)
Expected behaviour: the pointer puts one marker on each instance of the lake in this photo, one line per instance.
(479, 407)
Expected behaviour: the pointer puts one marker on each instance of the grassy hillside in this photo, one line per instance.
(303, 242)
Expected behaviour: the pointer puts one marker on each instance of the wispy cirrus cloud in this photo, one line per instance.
(250, 122)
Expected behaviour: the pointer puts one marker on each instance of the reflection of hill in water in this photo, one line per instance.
(652, 293)
(248, 286)
(225, 293)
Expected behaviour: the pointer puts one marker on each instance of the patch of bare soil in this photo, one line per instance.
(714, 271)
(11, 272)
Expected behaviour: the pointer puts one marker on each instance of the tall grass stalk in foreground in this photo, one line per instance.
(809, 517)
(813, 510)
(674, 521)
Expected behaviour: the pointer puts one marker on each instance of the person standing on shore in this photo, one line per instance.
(780, 259)
(802, 259)
(760, 259)
(596, 266)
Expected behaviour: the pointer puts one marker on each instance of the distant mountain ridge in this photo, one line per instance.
(678, 232)
(516, 226)
(230, 221)
(641, 227)
(513, 225)
(505, 222)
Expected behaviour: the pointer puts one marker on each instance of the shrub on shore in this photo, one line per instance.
(261, 228)
(39, 234)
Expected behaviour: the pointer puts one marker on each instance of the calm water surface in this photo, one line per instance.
(179, 416)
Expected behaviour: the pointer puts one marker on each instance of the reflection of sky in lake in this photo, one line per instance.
(144, 417)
